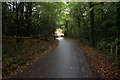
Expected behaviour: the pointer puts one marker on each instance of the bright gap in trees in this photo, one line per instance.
(59, 34)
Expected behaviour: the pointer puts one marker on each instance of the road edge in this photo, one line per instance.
(96, 67)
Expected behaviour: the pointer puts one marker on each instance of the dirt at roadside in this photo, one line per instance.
(100, 66)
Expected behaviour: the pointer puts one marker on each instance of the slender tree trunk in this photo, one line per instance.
(118, 18)
(78, 22)
(30, 9)
(22, 9)
(29, 13)
(21, 18)
(13, 7)
(92, 40)
(17, 24)
(66, 26)
(16, 11)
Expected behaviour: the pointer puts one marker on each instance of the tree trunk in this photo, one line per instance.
(17, 24)
(92, 41)
(66, 26)
(78, 22)
(13, 7)
(16, 11)
(29, 13)
(118, 18)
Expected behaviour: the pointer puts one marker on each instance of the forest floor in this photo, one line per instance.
(27, 56)
(98, 63)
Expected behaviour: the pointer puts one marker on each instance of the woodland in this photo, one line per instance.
(94, 24)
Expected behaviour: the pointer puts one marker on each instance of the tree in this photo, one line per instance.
(92, 40)
(118, 18)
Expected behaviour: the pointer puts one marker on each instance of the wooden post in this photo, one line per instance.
(31, 41)
(15, 45)
(116, 51)
(39, 39)
(111, 51)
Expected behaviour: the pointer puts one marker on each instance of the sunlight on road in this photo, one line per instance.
(60, 38)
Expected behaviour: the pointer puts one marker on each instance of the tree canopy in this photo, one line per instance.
(92, 22)
(25, 19)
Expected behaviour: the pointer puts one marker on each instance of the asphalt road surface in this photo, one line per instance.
(65, 61)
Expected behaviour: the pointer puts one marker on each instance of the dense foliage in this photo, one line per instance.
(96, 24)
(25, 19)
(93, 20)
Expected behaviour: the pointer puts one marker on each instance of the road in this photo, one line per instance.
(65, 61)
